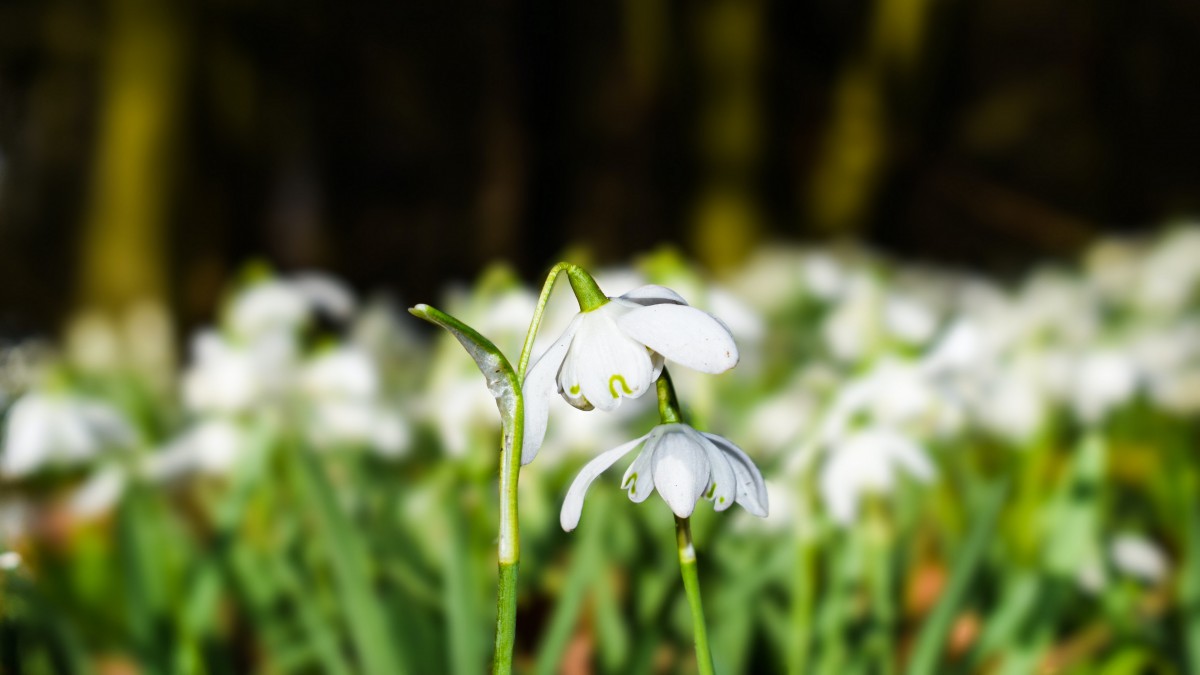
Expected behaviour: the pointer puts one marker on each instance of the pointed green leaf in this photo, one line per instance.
(501, 379)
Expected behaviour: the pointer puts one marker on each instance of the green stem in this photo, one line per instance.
(691, 584)
(509, 546)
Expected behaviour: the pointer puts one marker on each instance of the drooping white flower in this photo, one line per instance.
(616, 351)
(684, 465)
(865, 462)
(45, 428)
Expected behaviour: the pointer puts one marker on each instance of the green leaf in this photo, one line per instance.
(933, 634)
(501, 379)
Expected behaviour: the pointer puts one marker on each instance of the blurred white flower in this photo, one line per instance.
(909, 319)
(46, 428)
(98, 494)
(684, 465)
(853, 330)
(324, 294)
(271, 305)
(616, 351)
(342, 388)
(229, 378)
(1105, 380)
(866, 462)
(209, 448)
(10, 560)
(1170, 272)
(1138, 557)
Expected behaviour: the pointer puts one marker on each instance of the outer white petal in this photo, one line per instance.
(573, 503)
(653, 294)
(681, 471)
(27, 443)
(610, 365)
(639, 477)
(539, 387)
(751, 488)
(722, 483)
(684, 335)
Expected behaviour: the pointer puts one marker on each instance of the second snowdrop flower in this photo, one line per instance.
(684, 465)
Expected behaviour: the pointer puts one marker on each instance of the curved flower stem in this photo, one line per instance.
(691, 584)
(510, 470)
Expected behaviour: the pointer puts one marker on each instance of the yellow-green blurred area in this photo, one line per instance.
(954, 241)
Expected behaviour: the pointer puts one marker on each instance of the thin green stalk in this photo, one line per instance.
(509, 547)
(803, 601)
(878, 538)
(691, 584)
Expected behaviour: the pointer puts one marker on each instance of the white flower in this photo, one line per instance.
(45, 428)
(616, 351)
(866, 462)
(1104, 380)
(684, 465)
(209, 448)
(98, 494)
(10, 560)
(1139, 558)
(230, 378)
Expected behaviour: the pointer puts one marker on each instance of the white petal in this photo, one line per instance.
(569, 384)
(653, 294)
(610, 365)
(639, 477)
(681, 471)
(573, 503)
(840, 492)
(684, 335)
(722, 484)
(751, 488)
(539, 386)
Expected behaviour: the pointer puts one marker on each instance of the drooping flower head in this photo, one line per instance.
(615, 349)
(684, 465)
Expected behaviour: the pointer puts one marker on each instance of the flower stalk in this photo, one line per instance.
(668, 412)
(691, 585)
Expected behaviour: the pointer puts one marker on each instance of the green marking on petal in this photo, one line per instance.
(574, 390)
(721, 500)
(612, 386)
(631, 483)
(711, 490)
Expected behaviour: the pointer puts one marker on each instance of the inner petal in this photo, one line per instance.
(609, 365)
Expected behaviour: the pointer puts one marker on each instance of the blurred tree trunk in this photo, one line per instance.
(856, 146)
(727, 218)
(123, 255)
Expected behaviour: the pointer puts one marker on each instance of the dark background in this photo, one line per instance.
(401, 145)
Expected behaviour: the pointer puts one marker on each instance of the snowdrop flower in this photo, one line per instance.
(684, 465)
(342, 387)
(616, 350)
(1139, 558)
(230, 378)
(867, 462)
(99, 493)
(46, 428)
(1104, 380)
(209, 448)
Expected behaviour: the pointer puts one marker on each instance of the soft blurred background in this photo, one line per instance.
(952, 238)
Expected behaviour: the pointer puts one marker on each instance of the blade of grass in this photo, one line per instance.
(586, 563)
(931, 640)
(349, 564)
(466, 655)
